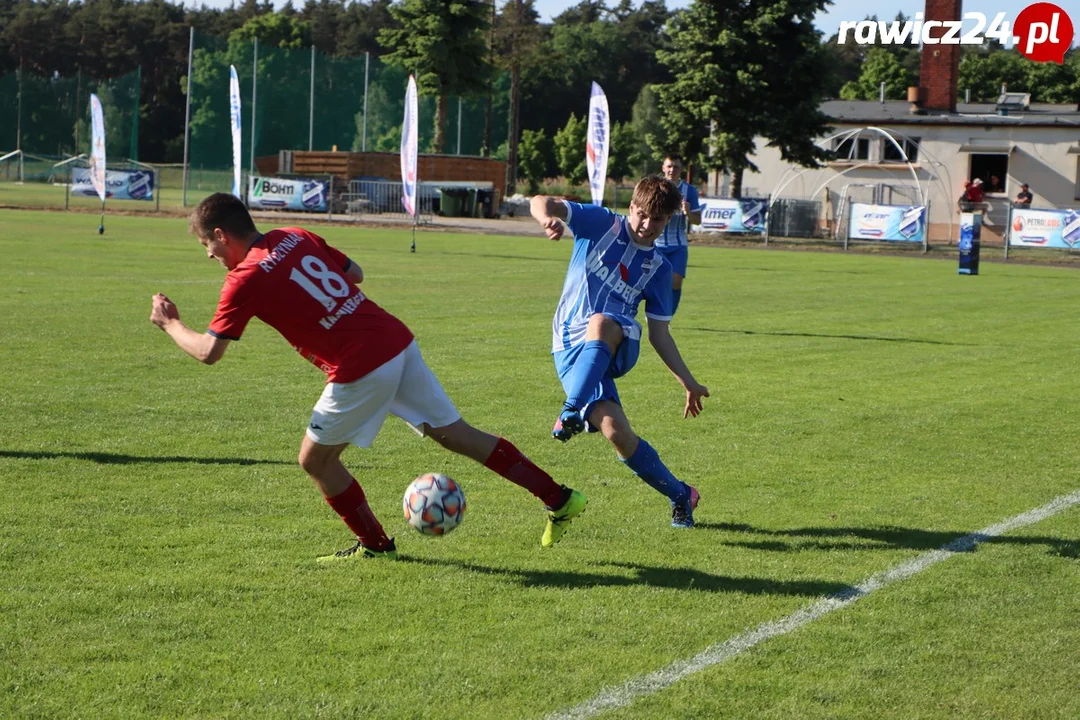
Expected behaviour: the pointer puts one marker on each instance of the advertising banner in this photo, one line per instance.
(234, 115)
(744, 215)
(1044, 228)
(409, 149)
(970, 242)
(282, 194)
(892, 223)
(118, 184)
(97, 148)
(597, 142)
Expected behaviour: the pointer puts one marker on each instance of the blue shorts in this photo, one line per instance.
(626, 356)
(677, 255)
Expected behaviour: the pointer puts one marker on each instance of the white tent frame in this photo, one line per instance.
(939, 178)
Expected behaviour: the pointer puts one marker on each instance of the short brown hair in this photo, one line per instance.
(656, 195)
(221, 210)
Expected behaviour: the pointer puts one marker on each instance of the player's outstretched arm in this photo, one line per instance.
(661, 340)
(204, 347)
(550, 213)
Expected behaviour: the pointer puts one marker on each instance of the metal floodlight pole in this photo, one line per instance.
(367, 64)
(311, 104)
(187, 115)
(254, 83)
(459, 125)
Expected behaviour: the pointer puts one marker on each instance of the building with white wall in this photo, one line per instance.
(1038, 145)
(947, 142)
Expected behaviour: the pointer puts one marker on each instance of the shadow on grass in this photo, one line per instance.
(825, 335)
(116, 459)
(882, 538)
(648, 576)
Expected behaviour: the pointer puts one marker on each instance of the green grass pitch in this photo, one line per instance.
(157, 537)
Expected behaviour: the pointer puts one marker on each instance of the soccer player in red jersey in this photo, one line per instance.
(308, 291)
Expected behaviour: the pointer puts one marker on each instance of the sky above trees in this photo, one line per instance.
(827, 22)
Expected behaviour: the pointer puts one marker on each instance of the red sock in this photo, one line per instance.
(507, 460)
(352, 506)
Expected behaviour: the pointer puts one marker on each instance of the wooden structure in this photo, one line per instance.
(345, 166)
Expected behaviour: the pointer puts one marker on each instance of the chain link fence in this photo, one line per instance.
(291, 99)
(301, 99)
(49, 116)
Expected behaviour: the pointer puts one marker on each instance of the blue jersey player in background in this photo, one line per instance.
(596, 338)
(673, 242)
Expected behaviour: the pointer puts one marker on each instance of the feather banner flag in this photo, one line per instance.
(234, 113)
(97, 147)
(409, 143)
(597, 143)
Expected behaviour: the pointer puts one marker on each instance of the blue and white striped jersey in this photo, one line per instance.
(674, 234)
(609, 273)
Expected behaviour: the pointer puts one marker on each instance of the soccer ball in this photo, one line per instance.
(434, 504)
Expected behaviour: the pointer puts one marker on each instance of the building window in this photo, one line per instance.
(853, 149)
(889, 152)
(991, 168)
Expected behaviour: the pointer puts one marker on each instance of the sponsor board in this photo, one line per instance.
(1044, 228)
(744, 215)
(119, 184)
(287, 194)
(889, 223)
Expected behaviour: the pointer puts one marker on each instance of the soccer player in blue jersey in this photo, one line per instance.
(614, 266)
(673, 242)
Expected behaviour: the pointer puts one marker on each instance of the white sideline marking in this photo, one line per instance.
(622, 695)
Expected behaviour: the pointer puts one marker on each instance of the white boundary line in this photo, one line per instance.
(620, 696)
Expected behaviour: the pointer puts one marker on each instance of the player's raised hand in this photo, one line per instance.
(694, 393)
(553, 227)
(163, 310)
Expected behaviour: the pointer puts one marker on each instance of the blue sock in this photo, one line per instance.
(648, 466)
(676, 297)
(587, 373)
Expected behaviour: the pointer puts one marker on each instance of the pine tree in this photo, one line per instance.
(745, 70)
(444, 44)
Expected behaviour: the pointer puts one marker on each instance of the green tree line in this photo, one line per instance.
(702, 82)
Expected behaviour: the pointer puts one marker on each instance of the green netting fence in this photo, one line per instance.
(305, 100)
(50, 116)
(302, 100)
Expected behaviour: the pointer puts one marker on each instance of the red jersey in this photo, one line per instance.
(295, 283)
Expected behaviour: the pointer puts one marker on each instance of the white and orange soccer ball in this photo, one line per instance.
(434, 504)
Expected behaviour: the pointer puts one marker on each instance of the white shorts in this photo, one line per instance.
(403, 386)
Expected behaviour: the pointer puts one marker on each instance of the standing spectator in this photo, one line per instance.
(972, 195)
(975, 192)
(1023, 198)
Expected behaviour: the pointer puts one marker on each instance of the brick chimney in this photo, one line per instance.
(939, 65)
